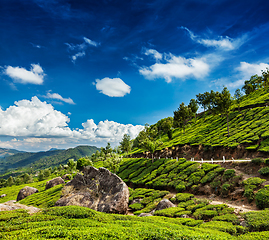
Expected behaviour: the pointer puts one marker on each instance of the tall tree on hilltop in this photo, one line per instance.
(265, 78)
(222, 104)
(193, 106)
(253, 84)
(126, 143)
(181, 116)
(238, 97)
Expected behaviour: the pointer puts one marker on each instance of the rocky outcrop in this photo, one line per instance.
(53, 182)
(67, 177)
(25, 192)
(165, 203)
(98, 189)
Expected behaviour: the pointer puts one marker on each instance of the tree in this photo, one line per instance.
(251, 85)
(113, 162)
(126, 144)
(223, 102)
(206, 100)
(83, 162)
(41, 176)
(238, 97)
(10, 181)
(265, 78)
(108, 149)
(151, 146)
(193, 106)
(47, 173)
(71, 164)
(181, 116)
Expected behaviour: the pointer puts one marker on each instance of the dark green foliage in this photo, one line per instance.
(169, 212)
(183, 197)
(227, 218)
(223, 226)
(254, 181)
(209, 167)
(257, 160)
(136, 206)
(228, 174)
(258, 220)
(264, 171)
(262, 197)
(212, 174)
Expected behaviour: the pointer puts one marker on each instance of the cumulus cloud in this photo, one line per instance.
(19, 74)
(36, 125)
(175, 67)
(112, 87)
(224, 43)
(242, 73)
(58, 97)
(81, 48)
(33, 118)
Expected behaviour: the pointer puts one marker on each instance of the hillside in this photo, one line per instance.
(46, 159)
(207, 136)
(4, 152)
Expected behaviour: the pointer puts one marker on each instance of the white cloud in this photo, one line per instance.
(21, 75)
(176, 67)
(81, 48)
(35, 125)
(109, 130)
(224, 43)
(242, 73)
(59, 97)
(79, 54)
(33, 118)
(90, 42)
(158, 56)
(112, 87)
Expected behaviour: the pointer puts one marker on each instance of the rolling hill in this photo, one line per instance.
(41, 160)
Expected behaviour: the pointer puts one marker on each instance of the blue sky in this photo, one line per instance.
(86, 72)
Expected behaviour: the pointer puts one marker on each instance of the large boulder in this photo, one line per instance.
(165, 203)
(53, 182)
(98, 189)
(25, 192)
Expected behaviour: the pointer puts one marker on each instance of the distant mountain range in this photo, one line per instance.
(13, 159)
(4, 152)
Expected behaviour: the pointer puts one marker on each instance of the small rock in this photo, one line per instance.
(3, 195)
(165, 203)
(145, 215)
(243, 224)
(184, 216)
(25, 192)
(137, 200)
(53, 182)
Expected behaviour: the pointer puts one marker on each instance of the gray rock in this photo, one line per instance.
(98, 189)
(25, 192)
(53, 182)
(3, 195)
(165, 203)
(145, 215)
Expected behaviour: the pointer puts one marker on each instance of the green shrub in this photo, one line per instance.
(205, 214)
(257, 161)
(183, 197)
(262, 198)
(212, 174)
(249, 192)
(180, 187)
(264, 171)
(168, 212)
(254, 181)
(136, 206)
(257, 220)
(227, 218)
(225, 188)
(266, 161)
(228, 174)
(221, 226)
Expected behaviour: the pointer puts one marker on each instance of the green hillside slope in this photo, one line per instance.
(4, 152)
(46, 159)
(248, 127)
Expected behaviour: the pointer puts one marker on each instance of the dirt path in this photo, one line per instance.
(12, 205)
